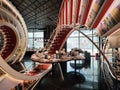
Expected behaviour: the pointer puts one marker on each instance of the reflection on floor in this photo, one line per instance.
(91, 75)
(86, 78)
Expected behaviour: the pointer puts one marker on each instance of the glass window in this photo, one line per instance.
(35, 40)
(85, 44)
(87, 32)
(72, 43)
(30, 43)
(30, 35)
(38, 34)
(77, 40)
(74, 34)
(38, 43)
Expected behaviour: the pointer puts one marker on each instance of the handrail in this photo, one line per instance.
(108, 64)
(50, 39)
(51, 36)
(110, 70)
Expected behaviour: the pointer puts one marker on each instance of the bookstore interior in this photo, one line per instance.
(59, 45)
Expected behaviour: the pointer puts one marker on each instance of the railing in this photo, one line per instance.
(110, 72)
(111, 81)
(47, 46)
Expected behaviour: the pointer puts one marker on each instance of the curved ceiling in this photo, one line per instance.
(38, 14)
(100, 15)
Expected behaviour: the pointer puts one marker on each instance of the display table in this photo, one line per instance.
(63, 58)
(58, 61)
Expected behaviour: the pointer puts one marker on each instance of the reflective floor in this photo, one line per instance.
(86, 77)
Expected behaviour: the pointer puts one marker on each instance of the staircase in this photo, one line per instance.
(59, 40)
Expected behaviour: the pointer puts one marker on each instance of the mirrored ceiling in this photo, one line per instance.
(38, 14)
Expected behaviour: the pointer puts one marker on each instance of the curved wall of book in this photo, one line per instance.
(14, 31)
(110, 20)
(87, 14)
(13, 41)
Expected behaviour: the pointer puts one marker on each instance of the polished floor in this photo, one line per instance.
(85, 77)
(51, 83)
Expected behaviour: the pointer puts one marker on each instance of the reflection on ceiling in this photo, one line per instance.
(38, 14)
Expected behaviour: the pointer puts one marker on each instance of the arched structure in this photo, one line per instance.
(13, 32)
(100, 14)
